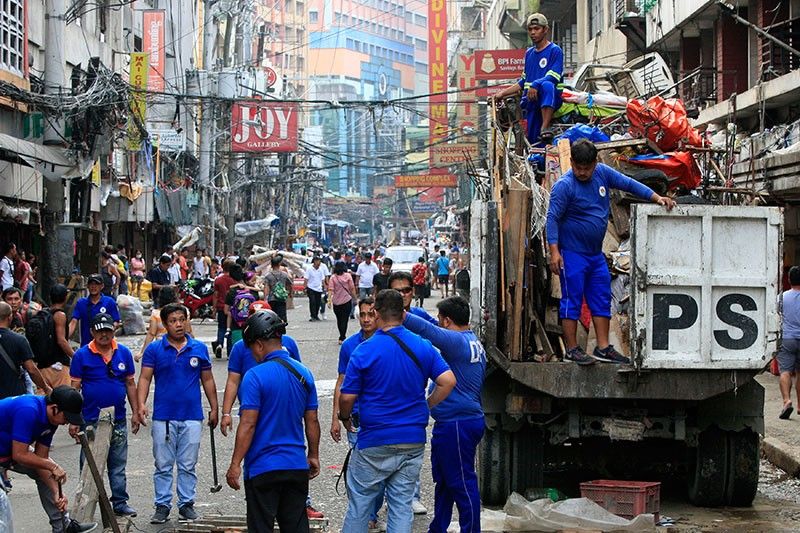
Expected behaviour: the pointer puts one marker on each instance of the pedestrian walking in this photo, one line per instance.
(388, 375)
(155, 327)
(17, 358)
(458, 420)
(316, 276)
(103, 371)
(199, 266)
(24, 278)
(577, 219)
(278, 286)
(181, 367)
(159, 276)
(47, 334)
(789, 352)
(443, 273)
(419, 273)
(381, 279)
(27, 426)
(88, 307)
(341, 293)
(364, 275)
(137, 273)
(222, 285)
(8, 265)
(278, 401)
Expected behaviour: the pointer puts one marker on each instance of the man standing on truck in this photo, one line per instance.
(542, 83)
(577, 220)
(789, 353)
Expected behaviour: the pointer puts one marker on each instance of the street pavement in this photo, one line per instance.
(777, 508)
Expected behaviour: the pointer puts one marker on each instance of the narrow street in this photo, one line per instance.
(777, 507)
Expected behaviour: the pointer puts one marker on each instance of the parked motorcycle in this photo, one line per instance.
(197, 295)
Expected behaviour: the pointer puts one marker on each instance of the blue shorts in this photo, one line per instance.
(585, 276)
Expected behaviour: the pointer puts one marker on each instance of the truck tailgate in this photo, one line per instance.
(705, 286)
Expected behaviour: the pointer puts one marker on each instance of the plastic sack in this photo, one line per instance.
(583, 131)
(130, 311)
(545, 515)
(6, 519)
(663, 122)
(679, 167)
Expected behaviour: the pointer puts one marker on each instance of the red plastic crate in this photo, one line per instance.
(627, 499)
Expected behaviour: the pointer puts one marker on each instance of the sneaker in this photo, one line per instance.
(161, 515)
(187, 512)
(125, 510)
(417, 507)
(218, 351)
(377, 526)
(610, 355)
(577, 355)
(76, 527)
(313, 513)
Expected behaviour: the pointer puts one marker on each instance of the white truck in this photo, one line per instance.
(704, 320)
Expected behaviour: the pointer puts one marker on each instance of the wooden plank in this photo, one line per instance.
(520, 199)
(624, 143)
(564, 155)
(84, 503)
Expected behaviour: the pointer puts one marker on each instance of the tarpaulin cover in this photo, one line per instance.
(583, 131)
(662, 121)
(680, 168)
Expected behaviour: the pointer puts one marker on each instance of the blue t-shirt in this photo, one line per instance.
(546, 64)
(391, 388)
(350, 344)
(420, 312)
(791, 314)
(24, 419)
(85, 312)
(99, 389)
(467, 359)
(577, 218)
(177, 377)
(242, 360)
(281, 401)
(443, 265)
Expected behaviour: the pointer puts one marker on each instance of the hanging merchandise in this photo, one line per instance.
(663, 122)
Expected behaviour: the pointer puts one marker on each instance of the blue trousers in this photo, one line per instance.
(547, 96)
(453, 447)
(180, 447)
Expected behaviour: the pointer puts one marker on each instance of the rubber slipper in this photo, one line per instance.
(786, 412)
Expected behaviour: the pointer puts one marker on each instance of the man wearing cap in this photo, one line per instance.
(180, 365)
(541, 85)
(87, 307)
(103, 370)
(364, 274)
(159, 277)
(27, 421)
(279, 400)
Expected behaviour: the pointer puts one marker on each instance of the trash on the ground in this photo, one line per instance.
(130, 311)
(544, 492)
(666, 521)
(545, 515)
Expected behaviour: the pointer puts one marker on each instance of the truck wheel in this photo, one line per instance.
(494, 466)
(743, 465)
(708, 468)
(528, 461)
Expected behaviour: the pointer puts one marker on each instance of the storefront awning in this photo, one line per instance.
(53, 162)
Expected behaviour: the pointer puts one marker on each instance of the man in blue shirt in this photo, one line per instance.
(87, 307)
(27, 421)
(789, 352)
(542, 83)
(104, 371)
(180, 365)
(388, 375)
(443, 273)
(459, 425)
(577, 219)
(278, 400)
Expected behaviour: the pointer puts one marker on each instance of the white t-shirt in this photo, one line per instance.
(174, 273)
(315, 276)
(366, 272)
(7, 265)
(199, 267)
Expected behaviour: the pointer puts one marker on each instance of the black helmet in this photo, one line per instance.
(264, 324)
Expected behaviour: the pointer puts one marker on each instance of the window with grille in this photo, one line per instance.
(12, 36)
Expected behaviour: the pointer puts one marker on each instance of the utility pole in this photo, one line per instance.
(207, 119)
(56, 255)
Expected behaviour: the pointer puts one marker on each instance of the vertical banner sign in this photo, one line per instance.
(466, 117)
(153, 45)
(264, 127)
(437, 82)
(138, 81)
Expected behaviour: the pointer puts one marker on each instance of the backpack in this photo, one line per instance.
(279, 291)
(240, 310)
(40, 330)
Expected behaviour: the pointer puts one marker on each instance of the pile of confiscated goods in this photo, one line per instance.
(650, 140)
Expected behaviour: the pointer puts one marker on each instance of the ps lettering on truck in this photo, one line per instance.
(705, 286)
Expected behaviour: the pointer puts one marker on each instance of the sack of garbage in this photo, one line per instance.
(130, 311)
(662, 121)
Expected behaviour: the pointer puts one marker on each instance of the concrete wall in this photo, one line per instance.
(667, 15)
(609, 47)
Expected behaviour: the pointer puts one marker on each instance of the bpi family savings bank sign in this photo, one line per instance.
(264, 127)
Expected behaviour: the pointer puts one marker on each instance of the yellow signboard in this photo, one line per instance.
(138, 80)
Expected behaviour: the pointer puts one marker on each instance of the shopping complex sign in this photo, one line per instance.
(419, 181)
(264, 127)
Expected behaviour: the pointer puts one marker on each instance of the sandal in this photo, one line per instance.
(786, 412)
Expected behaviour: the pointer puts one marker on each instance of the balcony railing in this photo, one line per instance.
(775, 60)
(625, 9)
(701, 89)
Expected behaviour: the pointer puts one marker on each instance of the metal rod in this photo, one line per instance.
(731, 11)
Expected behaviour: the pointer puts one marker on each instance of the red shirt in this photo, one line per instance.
(222, 284)
(420, 273)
